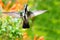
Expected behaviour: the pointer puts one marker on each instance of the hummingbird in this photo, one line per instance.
(25, 15)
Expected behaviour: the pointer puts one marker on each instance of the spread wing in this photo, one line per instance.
(13, 14)
(36, 13)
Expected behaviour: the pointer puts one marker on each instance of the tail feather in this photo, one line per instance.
(26, 25)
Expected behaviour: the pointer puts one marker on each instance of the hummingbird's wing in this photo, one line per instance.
(13, 14)
(35, 13)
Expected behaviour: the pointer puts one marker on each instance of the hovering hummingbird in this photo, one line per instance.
(25, 15)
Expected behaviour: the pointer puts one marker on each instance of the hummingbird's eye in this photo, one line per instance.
(20, 13)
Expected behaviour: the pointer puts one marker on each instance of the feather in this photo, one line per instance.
(13, 14)
(35, 13)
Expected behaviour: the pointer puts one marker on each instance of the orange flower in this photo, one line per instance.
(19, 5)
(41, 38)
(35, 37)
(25, 36)
(8, 4)
(1, 3)
(23, 2)
(13, 8)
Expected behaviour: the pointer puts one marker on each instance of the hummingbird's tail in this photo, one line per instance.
(26, 24)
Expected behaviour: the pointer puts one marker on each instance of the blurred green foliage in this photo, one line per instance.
(10, 28)
(47, 24)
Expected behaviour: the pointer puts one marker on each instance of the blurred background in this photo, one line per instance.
(47, 24)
